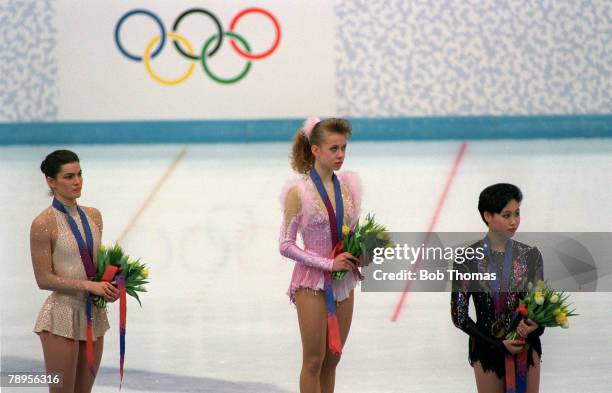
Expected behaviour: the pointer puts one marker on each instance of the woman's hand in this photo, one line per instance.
(514, 346)
(344, 262)
(104, 289)
(525, 327)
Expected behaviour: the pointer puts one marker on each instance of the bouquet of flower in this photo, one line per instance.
(362, 240)
(545, 307)
(111, 262)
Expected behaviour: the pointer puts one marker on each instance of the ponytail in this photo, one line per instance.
(302, 159)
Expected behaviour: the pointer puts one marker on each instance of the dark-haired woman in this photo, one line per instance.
(317, 206)
(63, 243)
(495, 359)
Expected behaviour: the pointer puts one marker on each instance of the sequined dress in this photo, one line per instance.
(305, 214)
(487, 333)
(63, 313)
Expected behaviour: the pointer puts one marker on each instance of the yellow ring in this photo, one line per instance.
(147, 62)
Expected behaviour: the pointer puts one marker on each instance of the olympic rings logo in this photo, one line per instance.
(210, 48)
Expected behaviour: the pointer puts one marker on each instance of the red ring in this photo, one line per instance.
(255, 56)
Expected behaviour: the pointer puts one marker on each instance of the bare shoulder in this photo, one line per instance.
(94, 214)
(91, 211)
(293, 193)
(44, 222)
(291, 190)
(43, 218)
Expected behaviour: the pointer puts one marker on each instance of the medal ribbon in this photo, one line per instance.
(499, 289)
(515, 365)
(86, 252)
(335, 224)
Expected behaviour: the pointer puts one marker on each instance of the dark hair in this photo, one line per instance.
(52, 164)
(302, 159)
(493, 198)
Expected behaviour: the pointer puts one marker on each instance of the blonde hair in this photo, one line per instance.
(302, 159)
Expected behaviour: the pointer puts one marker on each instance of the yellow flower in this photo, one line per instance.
(145, 272)
(557, 311)
(345, 230)
(383, 236)
(538, 297)
(561, 318)
(540, 284)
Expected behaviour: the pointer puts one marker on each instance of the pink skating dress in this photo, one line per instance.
(305, 213)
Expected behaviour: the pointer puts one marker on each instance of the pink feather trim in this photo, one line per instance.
(306, 197)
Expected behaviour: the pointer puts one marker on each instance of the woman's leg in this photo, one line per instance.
(487, 382)
(61, 355)
(84, 380)
(312, 318)
(344, 311)
(533, 375)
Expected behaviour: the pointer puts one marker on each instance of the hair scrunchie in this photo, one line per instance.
(309, 125)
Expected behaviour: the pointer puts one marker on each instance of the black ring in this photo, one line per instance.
(202, 11)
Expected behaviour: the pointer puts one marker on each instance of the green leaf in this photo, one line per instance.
(99, 302)
(133, 293)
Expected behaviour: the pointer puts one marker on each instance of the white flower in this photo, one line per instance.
(554, 298)
(529, 286)
(565, 325)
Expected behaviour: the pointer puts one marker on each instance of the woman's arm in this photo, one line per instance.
(288, 247)
(42, 258)
(96, 216)
(42, 261)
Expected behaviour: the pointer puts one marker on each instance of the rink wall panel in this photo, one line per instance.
(282, 130)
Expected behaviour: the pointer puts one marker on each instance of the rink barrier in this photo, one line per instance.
(277, 130)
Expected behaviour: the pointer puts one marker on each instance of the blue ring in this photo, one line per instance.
(145, 12)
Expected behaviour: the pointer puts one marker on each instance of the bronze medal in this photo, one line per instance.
(497, 330)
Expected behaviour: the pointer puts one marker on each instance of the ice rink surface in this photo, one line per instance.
(216, 317)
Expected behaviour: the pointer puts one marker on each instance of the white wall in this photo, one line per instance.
(375, 58)
(97, 82)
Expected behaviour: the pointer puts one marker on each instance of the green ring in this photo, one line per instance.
(209, 72)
